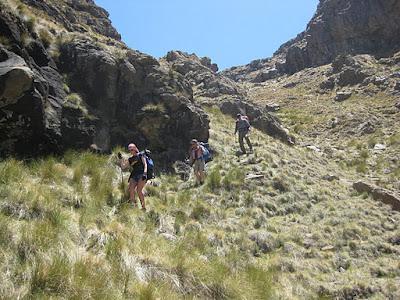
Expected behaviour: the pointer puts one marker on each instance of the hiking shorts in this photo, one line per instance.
(135, 177)
(199, 165)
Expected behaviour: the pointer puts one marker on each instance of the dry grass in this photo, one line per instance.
(67, 230)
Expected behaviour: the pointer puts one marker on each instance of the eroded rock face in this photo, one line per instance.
(133, 99)
(379, 194)
(339, 27)
(201, 73)
(90, 95)
(77, 15)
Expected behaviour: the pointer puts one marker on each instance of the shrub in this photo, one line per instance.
(200, 211)
(214, 179)
(5, 41)
(394, 139)
(30, 23)
(11, 170)
(281, 183)
(46, 37)
(234, 178)
(74, 99)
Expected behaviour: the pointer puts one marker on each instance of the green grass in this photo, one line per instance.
(67, 231)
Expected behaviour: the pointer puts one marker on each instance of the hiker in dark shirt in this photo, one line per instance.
(137, 179)
(243, 128)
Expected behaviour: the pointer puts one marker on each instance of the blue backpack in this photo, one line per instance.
(150, 164)
(207, 155)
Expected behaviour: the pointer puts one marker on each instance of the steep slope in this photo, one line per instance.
(245, 234)
(211, 88)
(66, 81)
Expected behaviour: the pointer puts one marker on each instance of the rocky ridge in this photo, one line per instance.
(339, 27)
(211, 88)
(61, 89)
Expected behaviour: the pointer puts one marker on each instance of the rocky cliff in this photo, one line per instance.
(66, 81)
(211, 88)
(338, 27)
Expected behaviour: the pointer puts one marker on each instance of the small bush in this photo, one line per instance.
(5, 41)
(214, 179)
(394, 139)
(30, 23)
(11, 170)
(200, 211)
(158, 108)
(234, 178)
(74, 100)
(281, 183)
(45, 37)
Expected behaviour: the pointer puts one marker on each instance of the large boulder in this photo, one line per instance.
(259, 118)
(379, 194)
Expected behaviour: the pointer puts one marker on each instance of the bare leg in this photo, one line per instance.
(140, 186)
(202, 176)
(132, 190)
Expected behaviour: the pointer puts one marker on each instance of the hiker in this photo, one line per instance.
(196, 160)
(137, 179)
(243, 128)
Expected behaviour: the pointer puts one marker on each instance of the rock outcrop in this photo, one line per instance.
(77, 15)
(89, 92)
(202, 75)
(338, 27)
(379, 194)
(211, 88)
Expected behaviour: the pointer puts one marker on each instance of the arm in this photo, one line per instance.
(191, 158)
(236, 127)
(144, 164)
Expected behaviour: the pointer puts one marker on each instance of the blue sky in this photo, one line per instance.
(230, 32)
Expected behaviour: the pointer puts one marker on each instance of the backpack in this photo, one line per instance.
(207, 152)
(150, 164)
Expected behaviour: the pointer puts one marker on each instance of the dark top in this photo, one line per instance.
(242, 124)
(137, 167)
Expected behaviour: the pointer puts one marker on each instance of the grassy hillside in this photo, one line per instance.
(68, 232)
(346, 131)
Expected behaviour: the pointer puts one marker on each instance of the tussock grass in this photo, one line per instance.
(67, 230)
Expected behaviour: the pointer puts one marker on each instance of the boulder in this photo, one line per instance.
(272, 107)
(343, 95)
(379, 194)
(16, 78)
(259, 118)
(366, 128)
(265, 75)
(380, 147)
